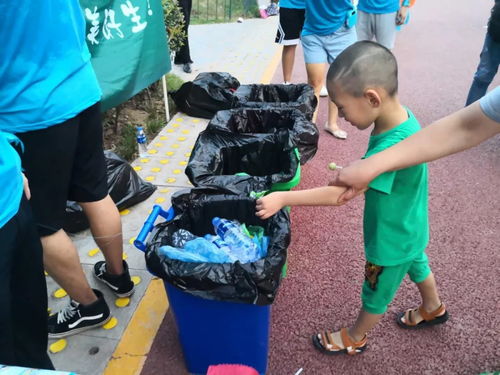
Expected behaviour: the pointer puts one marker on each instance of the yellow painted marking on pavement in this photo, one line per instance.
(125, 212)
(137, 168)
(175, 145)
(163, 138)
(136, 279)
(196, 120)
(185, 131)
(152, 151)
(166, 190)
(170, 130)
(271, 68)
(188, 154)
(131, 241)
(45, 273)
(180, 119)
(49, 310)
(155, 169)
(160, 200)
(181, 139)
(191, 147)
(135, 344)
(158, 144)
(60, 293)
(124, 256)
(164, 161)
(171, 179)
(58, 346)
(169, 153)
(122, 302)
(177, 171)
(182, 162)
(111, 323)
(150, 178)
(174, 125)
(144, 160)
(93, 252)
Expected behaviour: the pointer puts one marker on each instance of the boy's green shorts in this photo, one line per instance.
(382, 282)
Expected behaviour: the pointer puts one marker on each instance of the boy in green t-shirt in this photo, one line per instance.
(362, 82)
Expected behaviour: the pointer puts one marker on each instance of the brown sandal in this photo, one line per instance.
(438, 316)
(324, 343)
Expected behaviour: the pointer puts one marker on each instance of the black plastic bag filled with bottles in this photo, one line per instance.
(251, 283)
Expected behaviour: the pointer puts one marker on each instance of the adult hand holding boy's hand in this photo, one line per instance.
(267, 206)
(355, 177)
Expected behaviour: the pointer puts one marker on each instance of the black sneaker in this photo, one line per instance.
(76, 318)
(121, 285)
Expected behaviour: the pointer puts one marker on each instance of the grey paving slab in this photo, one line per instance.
(242, 49)
(78, 358)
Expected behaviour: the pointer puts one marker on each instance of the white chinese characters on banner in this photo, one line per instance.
(110, 25)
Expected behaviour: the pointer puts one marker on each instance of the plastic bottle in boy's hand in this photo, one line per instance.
(241, 245)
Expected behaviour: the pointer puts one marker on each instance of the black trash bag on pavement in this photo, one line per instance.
(207, 94)
(251, 283)
(242, 162)
(125, 187)
(302, 132)
(299, 97)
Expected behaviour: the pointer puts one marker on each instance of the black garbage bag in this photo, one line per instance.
(242, 162)
(207, 94)
(302, 132)
(125, 187)
(299, 97)
(252, 283)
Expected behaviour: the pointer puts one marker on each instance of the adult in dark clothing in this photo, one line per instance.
(183, 57)
(489, 58)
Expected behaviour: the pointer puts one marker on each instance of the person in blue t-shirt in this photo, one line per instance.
(292, 16)
(378, 19)
(50, 100)
(328, 30)
(23, 291)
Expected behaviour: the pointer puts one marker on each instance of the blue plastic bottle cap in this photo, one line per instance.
(216, 220)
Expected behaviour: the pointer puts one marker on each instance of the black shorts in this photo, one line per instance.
(290, 26)
(64, 162)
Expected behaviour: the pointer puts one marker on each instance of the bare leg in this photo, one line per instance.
(430, 298)
(106, 227)
(287, 61)
(61, 261)
(316, 78)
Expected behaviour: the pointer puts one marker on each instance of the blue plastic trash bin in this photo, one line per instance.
(208, 331)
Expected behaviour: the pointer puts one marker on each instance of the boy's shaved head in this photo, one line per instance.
(363, 65)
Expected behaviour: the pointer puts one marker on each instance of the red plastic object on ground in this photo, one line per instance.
(231, 370)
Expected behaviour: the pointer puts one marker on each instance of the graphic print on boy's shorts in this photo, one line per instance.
(372, 272)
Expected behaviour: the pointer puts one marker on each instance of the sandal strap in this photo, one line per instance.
(428, 316)
(327, 341)
(409, 317)
(349, 345)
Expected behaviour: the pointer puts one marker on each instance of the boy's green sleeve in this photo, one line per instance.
(383, 182)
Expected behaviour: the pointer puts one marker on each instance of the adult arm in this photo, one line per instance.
(459, 131)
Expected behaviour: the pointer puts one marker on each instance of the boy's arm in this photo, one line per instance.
(322, 196)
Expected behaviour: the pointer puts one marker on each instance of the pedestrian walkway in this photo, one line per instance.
(245, 50)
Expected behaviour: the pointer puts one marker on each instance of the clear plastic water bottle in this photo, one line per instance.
(181, 236)
(219, 242)
(242, 246)
(142, 142)
(207, 250)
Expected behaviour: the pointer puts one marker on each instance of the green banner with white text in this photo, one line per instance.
(128, 44)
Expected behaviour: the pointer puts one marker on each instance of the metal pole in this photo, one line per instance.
(217, 10)
(165, 98)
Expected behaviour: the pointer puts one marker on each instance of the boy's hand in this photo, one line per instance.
(355, 177)
(401, 15)
(267, 206)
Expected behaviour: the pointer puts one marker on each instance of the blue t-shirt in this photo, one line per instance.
(324, 17)
(11, 180)
(45, 72)
(378, 6)
(295, 4)
(490, 104)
